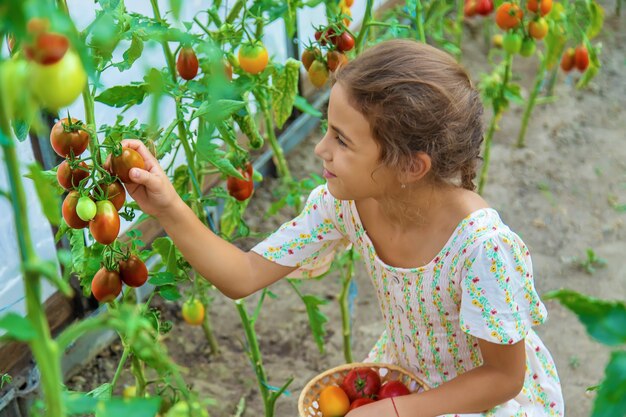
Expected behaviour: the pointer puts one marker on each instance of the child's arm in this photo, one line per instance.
(234, 272)
(499, 379)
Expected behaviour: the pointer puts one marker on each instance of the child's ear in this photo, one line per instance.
(418, 169)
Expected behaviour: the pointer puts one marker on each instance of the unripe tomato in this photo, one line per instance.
(538, 29)
(59, 84)
(86, 208)
(508, 16)
(581, 58)
(183, 409)
(241, 189)
(66, 138)
(528, 47)
(105, 226)
(568, 60)
(123, 163)
(69, 211)
(512, 43)
(106, 285)
(335, 60)
(253, 57)
(113, 192)
(496, 40)
(69, 178)
(345, 42)
(308, 56)
(334, 402)
(193, 312)
(133, 271)
(129, 391)
(187, 64)
(318, 73)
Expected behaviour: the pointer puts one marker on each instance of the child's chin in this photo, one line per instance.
(338, 193)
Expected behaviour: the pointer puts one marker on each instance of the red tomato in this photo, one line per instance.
(241, 189)
(106, 285)
(568, 60)
(360, 383)
(581, 58)
(359, 402)
(508, 16)
(69, 211)
(47, 48)
(187, 64)
(349, 3)
(122, 164)
(345, 42)
(335, 59)
(253, 57)
(392, 389)
(470, 8)
(68, 137)
(484, 7)
(193, 312)
(69, 178)
(334, 402)
(318, 73)
(133, 271)
(105, 226)
(113, 192)
(535, 5)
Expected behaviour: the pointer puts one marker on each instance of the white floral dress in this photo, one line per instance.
(479, 286)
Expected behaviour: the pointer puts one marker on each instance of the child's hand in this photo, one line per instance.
(375, 409)
(151, 188)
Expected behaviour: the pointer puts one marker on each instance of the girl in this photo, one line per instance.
(454, 283)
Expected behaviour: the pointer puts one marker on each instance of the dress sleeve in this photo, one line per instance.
(499, 302)
(310, 240)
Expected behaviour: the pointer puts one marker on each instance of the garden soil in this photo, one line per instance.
(562, 194)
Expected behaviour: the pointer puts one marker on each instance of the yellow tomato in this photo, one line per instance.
(193, 312)
(334, 402)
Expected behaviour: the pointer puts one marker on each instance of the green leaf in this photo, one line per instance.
(77, 245)
(46, 194)
(20, 128)
(597, 19)
(304, 106)
(208, 151)
(17, 327)
(166, 249)
(217, 111)
(230, 218)
(131, 55)
(604, 320)
(122, 95)
(611, 398)
(169, 292)
(81, 403)
(162, 278)
(317, 319)
(285, 83)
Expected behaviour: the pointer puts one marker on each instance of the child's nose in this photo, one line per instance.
(321, 150)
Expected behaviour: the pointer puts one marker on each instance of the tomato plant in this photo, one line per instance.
(253, 57)
(69, 177)
(106, 285)
(392, 389)
(133, 271)
(187, 64)
(69, 211)
(508, 16)
(361, 382)
(241, 189)
(105, 226)
(69, 138)
(122, 164)
(334, 402)
(86, 208)
(59, 84)
(193, 312)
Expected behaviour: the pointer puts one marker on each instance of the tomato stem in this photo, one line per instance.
(346, 279)
(419, 20)
(360, 41)
(459, 28)
(530, 104)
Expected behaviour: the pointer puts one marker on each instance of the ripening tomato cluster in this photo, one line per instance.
(360, 386)
(575, 58)
(336, 40)
(107, 282)
(520, 38)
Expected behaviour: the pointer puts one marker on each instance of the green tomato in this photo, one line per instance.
(512, 43)
(86, 208)
(528, 47)
(182, 409)
(58, 85)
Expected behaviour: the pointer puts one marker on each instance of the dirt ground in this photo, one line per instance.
(560, 194)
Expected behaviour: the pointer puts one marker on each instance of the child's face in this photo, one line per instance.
(350, 154)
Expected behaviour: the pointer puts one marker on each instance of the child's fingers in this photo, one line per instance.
(141, 148)
(147, 179)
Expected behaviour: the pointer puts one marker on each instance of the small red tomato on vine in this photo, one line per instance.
(47, 48)
(581, 58)
(508, 16)
(69, 211)
(345, 42)
(253, 57)
(318, 73)
(67, 138)
(187, 64)
(335, 59)
(106, 285)
(469, 10)
(69, 178)
(484, 7)
(241, 189)
(124, 162)
(568, 60)
(193, 312)
(539, 6)
(86, 208)
(133, 271)
(538, 29)
(348, 3)
(114, 192)
(105, 226)
(308, 56)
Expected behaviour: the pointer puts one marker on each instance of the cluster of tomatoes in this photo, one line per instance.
(360, 386)
(575, 58)
(520, 38)
(480, 7)
(95, 202)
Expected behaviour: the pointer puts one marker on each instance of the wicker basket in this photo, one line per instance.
(308, 405)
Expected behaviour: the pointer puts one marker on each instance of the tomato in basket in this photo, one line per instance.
(361, 383)
(334, 402)
(359, 402)
(392, 389)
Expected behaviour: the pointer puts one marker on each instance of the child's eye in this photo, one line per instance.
(341, 142)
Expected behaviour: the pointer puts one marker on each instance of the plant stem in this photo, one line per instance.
(419, 20)
(541, 73)
(346, 327)
(459, 27)
(360, 40)
(120, 366)
(234, 12)
(552, 81)
(210, 337)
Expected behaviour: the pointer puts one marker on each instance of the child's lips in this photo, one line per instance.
(327, 174)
